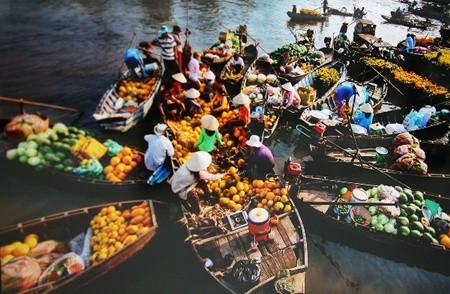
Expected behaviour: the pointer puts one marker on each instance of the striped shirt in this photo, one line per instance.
(167, 47)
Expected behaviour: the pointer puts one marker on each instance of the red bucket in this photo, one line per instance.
(258, 223)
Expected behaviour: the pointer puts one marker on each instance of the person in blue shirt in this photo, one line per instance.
(136, 65)
(364, 116)
(410, 43)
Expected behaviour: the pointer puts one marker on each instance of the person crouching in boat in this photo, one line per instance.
(237, 64)
(159, 148)
(290, 95)
(219, 103)
(212, 86)
(136, 65)
(242, 101)
(190, 176)
(261, 160)
(364, 116)
(209, 134)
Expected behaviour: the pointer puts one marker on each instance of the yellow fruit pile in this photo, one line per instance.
(232, 191)
(113, 229)
(15, 249)
(443, 60)
(309, 11)
(122, 164)
(269, 120)
(327, 76)
(272, 196)
(136, 91)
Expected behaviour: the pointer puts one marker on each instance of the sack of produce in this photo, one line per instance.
(67, 265)
(410, 162)
(20, 274)
(21, 126)
(87, 147)
(405, 138)
(46, 247)
(401, 150)
(388, 192)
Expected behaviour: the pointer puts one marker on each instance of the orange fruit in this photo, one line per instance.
(108, 169)
(126, 151)
(270, 196)
(236, 198)
(127, 159)
(115, 160)
(232, 190)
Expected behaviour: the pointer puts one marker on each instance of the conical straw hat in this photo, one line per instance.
(199, 161)
(209, 122)
(240, 99)
(367, 108)
(209, 75)
(192, 93)
(254, 141)
(179, 77)
(288, 87)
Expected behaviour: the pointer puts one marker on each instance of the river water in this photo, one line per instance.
(69, 52)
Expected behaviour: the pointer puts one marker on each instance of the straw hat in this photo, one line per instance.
(179, 77)
(288, 87)
(159, 129)
(367, 108)
(254, 141)
(163, 30)
(266, 57)
(209, 122)
(209, 75)
(192, 93)
(240, 99)
(199, 161)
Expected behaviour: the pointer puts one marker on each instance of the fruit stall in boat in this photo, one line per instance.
(409, 227)
(68, 250)
(402, 159)
(305, 14)
(129, 100)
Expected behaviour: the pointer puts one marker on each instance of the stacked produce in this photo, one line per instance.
(443, 59)
(295, 51)
(256, 93)
(405, 219)
(223, 49)
(136, 91)
(73, 150)
(326, 76)
(309, 11)
(408, 155)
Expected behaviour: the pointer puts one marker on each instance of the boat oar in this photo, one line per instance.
(28, 102)
(380, 74)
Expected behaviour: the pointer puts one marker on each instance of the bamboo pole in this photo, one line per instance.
(28, 102)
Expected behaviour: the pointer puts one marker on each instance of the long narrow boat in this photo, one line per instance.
(66, 250)
(409, 242)
(221, 240)
(62, 154)
(303, 16)
(325, 111)
(339, 156)
(406, 21)
(233, 82)
(129, 100)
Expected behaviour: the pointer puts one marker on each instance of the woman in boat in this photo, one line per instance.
(191, 106)
(290, 95)
(242, 101)
(158, 148)
(193, 70)
(176, 34)
(212, 86)
(364, 116)
(209, 134)
(190, 176)
(260, 161)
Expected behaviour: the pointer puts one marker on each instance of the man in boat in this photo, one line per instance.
(260, 161)
(169, 106)
(325, 6)
(193, 70)
(294, 8)
(168, 47)
(158, 148)
(190, 176)
(237, 64)
(136, 65)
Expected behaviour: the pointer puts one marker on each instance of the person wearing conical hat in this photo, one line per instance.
(209, 134)
(242, 101)
(176, 91)
(158, 149)
(168, 45)
(212, 86)
(260, 162)
(191, 106)
(364, 116)
(192, 175)
(290, 95)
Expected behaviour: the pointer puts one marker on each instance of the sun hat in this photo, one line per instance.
(159, 129)
(192, 93)
(199, 161)
(209, 122)
(209, 75)
(179, 77)
(266, 57)
(254, 141)
(367, 108)
(288, 87)
(240, 99)
(162, 30)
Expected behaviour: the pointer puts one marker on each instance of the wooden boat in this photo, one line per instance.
(406, 21)
(302, 16)
(73, 225)
(57, 163)
(342, 12)
(315, 200)
(339, 156)
(233, 82)
(129, 100)
(222, 247)
(364, 34)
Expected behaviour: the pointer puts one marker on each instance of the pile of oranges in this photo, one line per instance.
(122, 164)
(136, 91)
(271, 195)
(18, 248)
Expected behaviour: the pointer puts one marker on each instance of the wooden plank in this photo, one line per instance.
(246, 240)
(271, 266)
(277, 243)
(310, 196)
(286, 257)
(237, 249)
(290, 230)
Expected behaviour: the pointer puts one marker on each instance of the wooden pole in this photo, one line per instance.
(28, 102)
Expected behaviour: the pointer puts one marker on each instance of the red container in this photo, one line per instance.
(258, 223)
(294, 168)
(319, 128)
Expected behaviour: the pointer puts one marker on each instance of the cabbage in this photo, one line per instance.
(23, 145)
(382, 219)
(379, 227)
(389, 228)
(374, 221)
(33, 161)
(61, 128)
(12, 154)
(31, 152)
(372, 210)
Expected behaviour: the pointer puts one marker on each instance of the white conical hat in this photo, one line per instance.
(240, 99)
(367, 108)
(288, 87)
(192, 93)
(266, 57)
(209, 122)
(159, 129)
(254, 141)
(179, 77)
(209, 75)
(199, 161)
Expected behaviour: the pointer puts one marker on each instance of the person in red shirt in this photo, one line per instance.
(243, 102)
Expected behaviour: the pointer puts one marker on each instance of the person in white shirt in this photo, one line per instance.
(237, 64)
(190, 175)
(194, 69)
(159, 147)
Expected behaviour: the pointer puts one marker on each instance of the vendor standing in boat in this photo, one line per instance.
(158, 148)
(260, 162)
(209, 134)
(192, 175)
(364, 116)
(168, 46)
(325, 6)
(193, 70)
